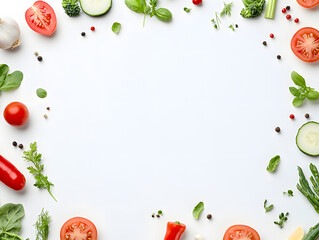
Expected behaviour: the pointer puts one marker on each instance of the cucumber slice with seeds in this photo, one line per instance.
(307, 138)
(95, 7)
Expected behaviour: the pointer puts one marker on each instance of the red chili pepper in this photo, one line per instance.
(10, 175)
(174, 230)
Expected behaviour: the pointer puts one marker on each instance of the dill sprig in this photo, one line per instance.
(42, 225)
(226, 9)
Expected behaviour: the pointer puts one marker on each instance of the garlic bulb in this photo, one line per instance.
(9, 33)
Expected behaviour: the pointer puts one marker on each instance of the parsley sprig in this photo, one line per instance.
(41, 181)
(282, 219)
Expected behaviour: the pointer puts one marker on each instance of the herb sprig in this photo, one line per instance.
(269, 208)
(198, 210)
(41, 181)
(9, 81)
(42, 225)
(290, 193)
(303, 91)
(282, 219)
(226, 11)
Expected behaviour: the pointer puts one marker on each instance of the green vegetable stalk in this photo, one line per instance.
(270, 9)
(313, 233)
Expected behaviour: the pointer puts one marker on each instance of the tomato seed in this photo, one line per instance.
(271, 35)
(20, 146)
(307, 115)
(92, 28)
(277, 129)
(284, 10)
(288, 8)
(296, 20)
(14, 143)
(288, 17)
(292, 116)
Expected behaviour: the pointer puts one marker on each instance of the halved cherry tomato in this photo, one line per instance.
(308, 3)
(41, 18)
(16, 114)
(305, 44)
(241, 232)
(78, 228)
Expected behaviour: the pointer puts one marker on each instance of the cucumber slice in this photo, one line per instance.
(95, 7)
(307, 138)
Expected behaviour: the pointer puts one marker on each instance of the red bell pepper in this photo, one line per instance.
(10, 175)
(174, 230)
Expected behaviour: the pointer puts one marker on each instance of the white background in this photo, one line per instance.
(161, 117)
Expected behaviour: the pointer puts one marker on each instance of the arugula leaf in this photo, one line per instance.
(269, 208)
(4, 69)
(116, 27)
(42, 225)
(298, 80)
(273, 163)
(41, 93)
(12, 81)
(187, 9)
(198, 210)
(227, 9)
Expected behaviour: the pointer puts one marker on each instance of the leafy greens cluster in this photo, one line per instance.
(71, 7)
(253, 8)
(9, 81)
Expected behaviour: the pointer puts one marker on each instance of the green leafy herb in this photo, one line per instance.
(232, 27)
(198, 210)
(41, 93)
(116, 27)
(216, 21)
(42, 225)
(187, 9)
(10, 221)
(71, 7)
(303, 186)
(41, 181)
(303, 91)
(273, 163)
(290, 193)
(269, 208)
(9, 81)
(160, 212)
(227, 9)
(253, 8)
(282, 219)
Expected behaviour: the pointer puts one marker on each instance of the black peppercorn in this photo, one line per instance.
(14, 143)
(82, 34)
(20, 146)
(278, 57)
(209, 216)
(277, 129)
(307, 115)
(288, 8)
(264, 43)
(39, 58)
(236, 25)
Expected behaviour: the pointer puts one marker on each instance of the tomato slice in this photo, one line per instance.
(78, 228)
(241, 232)
(41, 18)
(308, 3)
(305, 44)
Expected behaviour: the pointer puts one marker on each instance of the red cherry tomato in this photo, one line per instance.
(308, 3)
(197, 2)
(10, 175)
(16, 114)
(241, 232)
(78, 228)
(41, 18)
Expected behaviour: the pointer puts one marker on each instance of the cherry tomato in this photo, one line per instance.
(197, 2)
(16, 114)
(241, 232)
(78, 228)
(308, 3)
(41, 18)
(10, 175)
(305, 44)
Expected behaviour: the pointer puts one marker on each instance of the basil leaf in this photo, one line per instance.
(294, 91)
(116, 27)
(137, 6)
(10, 215)
(198, 210)
(273, 163)
(163, 14)
(12, 81)
(298, 101)
(298, 80)
(313, 95)
(4, 69)
(41, 93)
(269, 208)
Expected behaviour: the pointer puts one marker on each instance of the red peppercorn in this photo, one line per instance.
(288, 16)
(272, 35)
(92, 28)
(284, 10)
(292, 116)
(197, 2)
(296, 20)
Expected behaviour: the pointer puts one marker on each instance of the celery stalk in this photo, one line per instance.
(270, 10)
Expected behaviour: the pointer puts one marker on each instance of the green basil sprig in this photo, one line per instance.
(303, 91)
(9, 81)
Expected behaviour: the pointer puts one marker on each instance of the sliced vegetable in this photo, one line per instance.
(16, 114)
(270, 9)
(174, 230)
(10, 175)
(241, 232)
(273, 163)
(41, 18)
(298, 234)
(305, 44)
(9, 33)
(308, 3)
(198, 210)
(96, 7)
(307, 138)
(78, 228)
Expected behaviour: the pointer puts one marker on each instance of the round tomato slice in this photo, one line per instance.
(41, 18)
(305, 44)
(78, 228)
(241, 232)
(308, 3)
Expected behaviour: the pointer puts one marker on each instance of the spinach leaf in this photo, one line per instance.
(116, 27)
(198, 210)
(273, 163)
(4, 69)
(41, 93)
(12, 81)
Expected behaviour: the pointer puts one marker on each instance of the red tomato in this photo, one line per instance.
(78, 228)
(197, 2)
(305, 44)
(10, 175)
(308, 3)
(16, 114)
(41, 18)
(241, 232)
